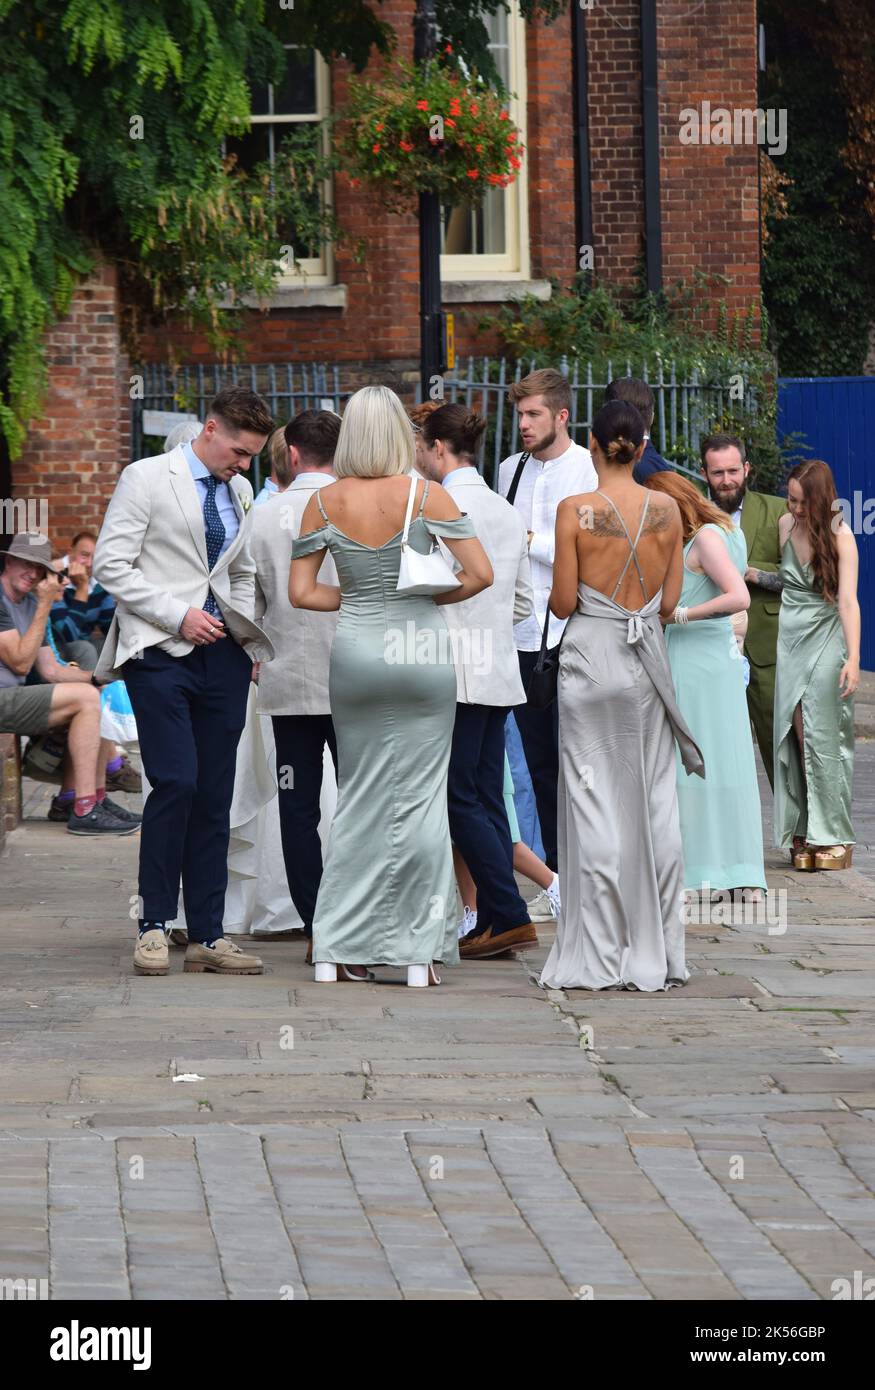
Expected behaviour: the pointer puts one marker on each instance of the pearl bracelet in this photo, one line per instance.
(680, 615)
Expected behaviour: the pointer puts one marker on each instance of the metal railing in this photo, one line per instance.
(687, 409)
(286, 386)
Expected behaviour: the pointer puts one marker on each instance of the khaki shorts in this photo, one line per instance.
(24, 709)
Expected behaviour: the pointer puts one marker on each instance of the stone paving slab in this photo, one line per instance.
(487, 1140)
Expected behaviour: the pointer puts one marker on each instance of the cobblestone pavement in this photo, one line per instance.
(270, 1138)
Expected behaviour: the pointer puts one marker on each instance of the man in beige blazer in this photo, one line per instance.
(293, 689)
(174, 553)
(488, 683)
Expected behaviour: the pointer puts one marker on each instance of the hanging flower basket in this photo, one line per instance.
(428, 129)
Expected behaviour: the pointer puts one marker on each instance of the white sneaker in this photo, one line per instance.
(468, 923)
(553, 897)
(545, 907)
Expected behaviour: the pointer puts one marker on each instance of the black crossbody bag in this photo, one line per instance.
(544, 680)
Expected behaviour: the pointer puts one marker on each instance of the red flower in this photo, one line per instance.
(511, 137)
(379, 126)
(474, 108)
(450, 122)
(375, 148)
(448, 48)
(406, 147)
(504, 115)
(455, 107)
(494, 178)
(479, 149)
(517, 163)
(473, 173)
(422, 106)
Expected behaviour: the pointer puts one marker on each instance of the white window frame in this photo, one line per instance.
(310, 270)
(515, 262)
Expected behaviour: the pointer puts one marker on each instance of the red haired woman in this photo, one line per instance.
(817, 674)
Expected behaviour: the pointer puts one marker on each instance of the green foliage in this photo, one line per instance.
(187, 228)
(819, 266)
(735, 383)
(428, 129)
(462, 25)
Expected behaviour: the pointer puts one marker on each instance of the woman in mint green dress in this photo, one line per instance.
(817, 674)
(720, 816)
(388, 893)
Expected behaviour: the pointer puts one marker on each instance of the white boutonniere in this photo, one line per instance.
(246, 503)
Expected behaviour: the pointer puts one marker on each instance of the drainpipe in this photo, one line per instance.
(650, 112)
(582, 171)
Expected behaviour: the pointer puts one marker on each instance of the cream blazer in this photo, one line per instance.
(151, 555)
(481, 628)
(296, 681)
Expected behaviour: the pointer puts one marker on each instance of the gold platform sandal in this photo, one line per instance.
(834, 857)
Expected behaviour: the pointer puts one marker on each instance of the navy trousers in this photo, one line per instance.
(478, 819)
(539, 731)
(300, 744)
(190, 714)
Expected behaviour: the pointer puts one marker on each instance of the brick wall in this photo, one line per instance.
(709, 193)
(616, 139)
(73, 452)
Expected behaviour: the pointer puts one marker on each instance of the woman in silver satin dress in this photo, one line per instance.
(618, 569)
(388, 892)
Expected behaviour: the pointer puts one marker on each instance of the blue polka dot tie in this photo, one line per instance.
(215, 534)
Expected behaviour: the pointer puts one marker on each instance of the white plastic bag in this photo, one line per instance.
(117, 721)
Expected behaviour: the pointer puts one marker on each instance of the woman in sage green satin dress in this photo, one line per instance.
(817, 673)
(388, 893)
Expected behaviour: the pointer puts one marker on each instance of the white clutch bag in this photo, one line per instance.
(422, 574)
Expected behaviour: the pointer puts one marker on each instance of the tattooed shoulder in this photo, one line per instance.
(601, 523)
(607, 523)
(657, 519)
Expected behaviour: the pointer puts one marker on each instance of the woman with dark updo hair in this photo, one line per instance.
(618, 570)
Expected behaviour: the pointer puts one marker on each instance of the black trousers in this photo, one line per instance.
(300, 743)
(478, 820)
(539, 731)
(190, 714)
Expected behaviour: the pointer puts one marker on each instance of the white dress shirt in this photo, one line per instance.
(543, 485)
(224, 504)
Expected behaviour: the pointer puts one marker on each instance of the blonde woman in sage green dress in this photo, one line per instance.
(817, 673)
(388, 892)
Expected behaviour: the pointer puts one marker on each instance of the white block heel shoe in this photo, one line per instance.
(417, 976)
(325, 972)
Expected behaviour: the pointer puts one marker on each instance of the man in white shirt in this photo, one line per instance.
(488, 681)
(550, 468)
(279, 453)
(293, 688)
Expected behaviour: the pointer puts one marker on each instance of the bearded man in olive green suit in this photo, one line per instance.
(726, 472)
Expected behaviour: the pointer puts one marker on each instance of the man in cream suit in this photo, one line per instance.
(293, 689)
(174, 553)
(488, 683)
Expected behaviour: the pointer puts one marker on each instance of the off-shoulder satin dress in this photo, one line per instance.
(388, 891)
